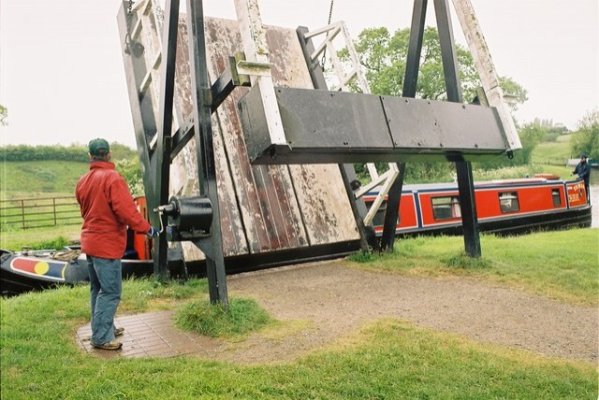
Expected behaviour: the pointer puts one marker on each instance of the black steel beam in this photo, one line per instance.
(454, 94)
(448, 53)
(410, 82)
(470, 226)
(348, 173)
(163, 144)
(212, 245)
(181, 137)
(409, 90)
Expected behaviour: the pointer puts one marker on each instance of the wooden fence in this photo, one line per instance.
(39, 212)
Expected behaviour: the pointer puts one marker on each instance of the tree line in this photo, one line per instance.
(74, 152)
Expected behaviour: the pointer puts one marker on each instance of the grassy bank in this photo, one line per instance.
(24, 179)
(386, 360)
(16, 240)
(559, 264)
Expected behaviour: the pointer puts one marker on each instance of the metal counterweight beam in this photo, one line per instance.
(340, 127)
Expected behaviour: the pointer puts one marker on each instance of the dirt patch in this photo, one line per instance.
(320, 303)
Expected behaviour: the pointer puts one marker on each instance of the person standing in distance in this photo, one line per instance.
(583, 170)
(107, 208)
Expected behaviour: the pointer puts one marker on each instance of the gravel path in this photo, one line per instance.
(331, 301)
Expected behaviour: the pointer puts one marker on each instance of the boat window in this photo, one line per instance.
(446, 207)
(557, 199)
(508, 201)
(379, 217)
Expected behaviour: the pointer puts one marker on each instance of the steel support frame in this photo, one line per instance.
(165, 113)
(157, 147)
(454, 94)
(212, 246)
(221, 88)
(408, 90)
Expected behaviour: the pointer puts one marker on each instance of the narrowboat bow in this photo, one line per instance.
(34, 270)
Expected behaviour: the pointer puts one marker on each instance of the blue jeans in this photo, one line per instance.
(105, 294)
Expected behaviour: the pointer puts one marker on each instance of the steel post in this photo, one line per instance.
(454, 93)
(409, 90)
(163, 143)
(212, 245)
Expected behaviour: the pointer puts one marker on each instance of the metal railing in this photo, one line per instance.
(39, 212)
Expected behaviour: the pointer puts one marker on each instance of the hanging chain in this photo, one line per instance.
(324, 53)
(331, 12)
(129, 22)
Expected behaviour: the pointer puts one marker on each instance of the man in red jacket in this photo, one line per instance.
(107, 208)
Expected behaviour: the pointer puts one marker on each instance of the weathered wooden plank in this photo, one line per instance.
(185, 164)
(319, 187)
(268, 205)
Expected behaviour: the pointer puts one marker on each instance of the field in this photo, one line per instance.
(40, 178)
(553, 153)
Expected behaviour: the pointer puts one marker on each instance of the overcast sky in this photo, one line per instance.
(62, 78)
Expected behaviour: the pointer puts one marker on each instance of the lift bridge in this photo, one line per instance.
(246, 151)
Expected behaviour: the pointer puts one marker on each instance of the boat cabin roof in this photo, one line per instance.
(435, 187)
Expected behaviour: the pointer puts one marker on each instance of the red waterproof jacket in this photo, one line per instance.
(107, 208)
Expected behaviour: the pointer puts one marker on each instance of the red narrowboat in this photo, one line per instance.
(506, 206)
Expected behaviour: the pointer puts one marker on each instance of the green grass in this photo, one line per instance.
(34, 178)
(16, 240)
(242, 316)
(553, 153)
(560, 264)
(386, 360)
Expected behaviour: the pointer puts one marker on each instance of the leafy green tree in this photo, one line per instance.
(586, 138)
(3, 115)
(514, 94)
(383, 57)
(130, 169)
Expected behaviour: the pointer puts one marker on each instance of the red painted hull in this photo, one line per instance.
(503, 206)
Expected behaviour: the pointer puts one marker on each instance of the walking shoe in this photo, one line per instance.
(117, 332)
(114, 345)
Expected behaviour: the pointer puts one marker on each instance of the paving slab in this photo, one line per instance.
(149, 335)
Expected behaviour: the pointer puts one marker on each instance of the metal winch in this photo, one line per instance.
(189, 218)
